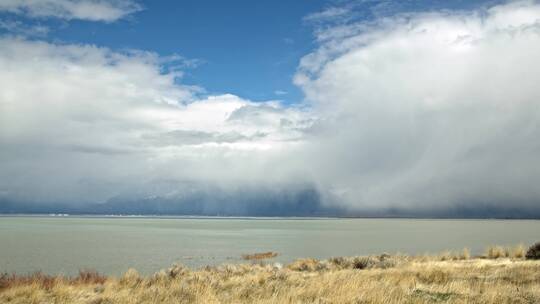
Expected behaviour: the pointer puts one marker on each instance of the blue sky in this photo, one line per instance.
(249, 48)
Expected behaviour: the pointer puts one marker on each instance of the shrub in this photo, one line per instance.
(363, 262)
(534, 252)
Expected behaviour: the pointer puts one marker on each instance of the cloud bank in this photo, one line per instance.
(426, 114)
(430, 111)
(85, 124)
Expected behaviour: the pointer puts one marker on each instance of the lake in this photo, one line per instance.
(112, 245)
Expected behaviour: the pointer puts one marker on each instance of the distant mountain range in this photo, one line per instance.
(302, 204)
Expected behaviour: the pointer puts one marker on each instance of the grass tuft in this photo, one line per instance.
(497, 252)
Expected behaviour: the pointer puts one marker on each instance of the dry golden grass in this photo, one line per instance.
(495, 252)
(373, 279)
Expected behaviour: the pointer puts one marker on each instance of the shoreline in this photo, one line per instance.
(501, 275)
(218, 217)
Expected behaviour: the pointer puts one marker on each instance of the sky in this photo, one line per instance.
(330, 107)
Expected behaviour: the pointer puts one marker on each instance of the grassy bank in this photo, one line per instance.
(502, 275)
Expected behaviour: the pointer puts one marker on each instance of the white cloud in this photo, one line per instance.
(330, 13)
(92, 10)
(19, 28)
(430, 111)
(79, 121)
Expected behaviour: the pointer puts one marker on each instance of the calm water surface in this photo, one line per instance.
(112, 245)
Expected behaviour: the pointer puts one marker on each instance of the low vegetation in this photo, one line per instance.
(496, 252)
(534, 252)
(259, 256)
(501, 275)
